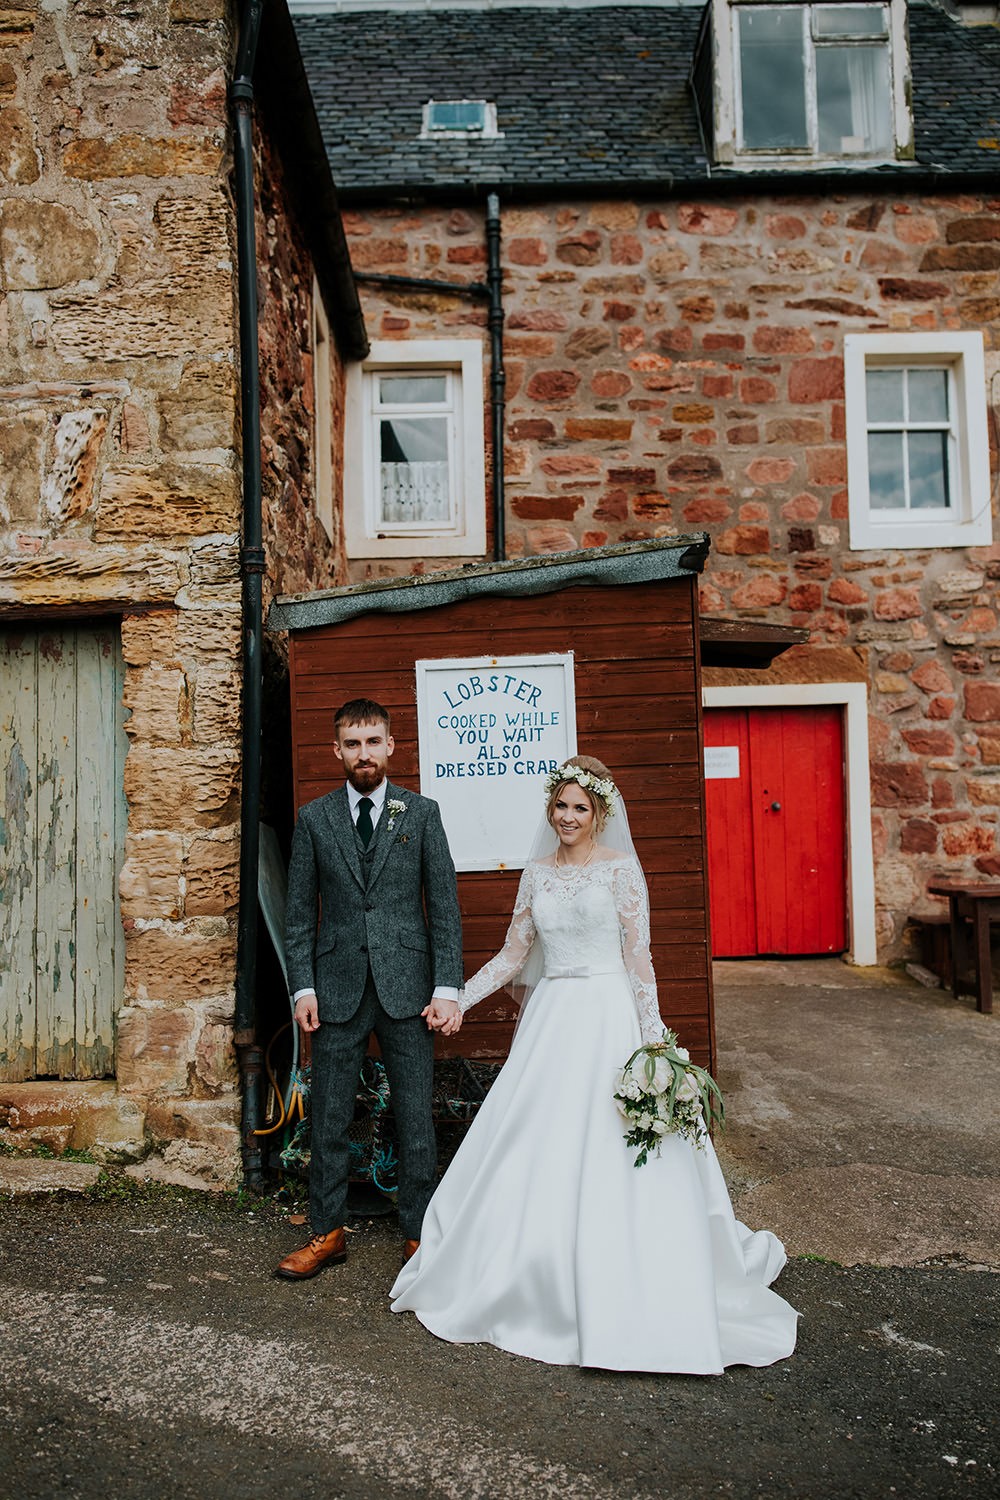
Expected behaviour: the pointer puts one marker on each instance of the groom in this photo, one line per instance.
(370, 865)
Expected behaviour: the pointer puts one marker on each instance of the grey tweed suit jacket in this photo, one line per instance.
(403, 920)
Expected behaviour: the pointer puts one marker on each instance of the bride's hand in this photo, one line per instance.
(444, 1016)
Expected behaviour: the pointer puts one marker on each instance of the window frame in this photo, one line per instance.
(365, 536)
(969, 522)
(727, 101)
(488, 131)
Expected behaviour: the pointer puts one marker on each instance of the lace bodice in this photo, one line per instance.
(594, 919)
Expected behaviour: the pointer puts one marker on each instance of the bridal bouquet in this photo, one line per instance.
(662, 1092)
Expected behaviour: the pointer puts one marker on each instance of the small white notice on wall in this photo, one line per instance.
(722, 762)
(490, 729)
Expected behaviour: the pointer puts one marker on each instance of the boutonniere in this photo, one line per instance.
(396, 810)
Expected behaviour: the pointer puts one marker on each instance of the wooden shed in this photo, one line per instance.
(628, 616)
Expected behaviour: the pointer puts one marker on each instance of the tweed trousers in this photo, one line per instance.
(338, 1051)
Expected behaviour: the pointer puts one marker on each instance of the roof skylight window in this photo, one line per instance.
(458, 119)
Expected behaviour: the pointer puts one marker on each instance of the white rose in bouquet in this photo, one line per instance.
(688, 1088)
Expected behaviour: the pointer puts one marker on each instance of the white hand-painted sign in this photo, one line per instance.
(490, 729)
(722, 762)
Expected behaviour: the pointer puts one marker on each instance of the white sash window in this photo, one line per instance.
(917, 445)
(414, 471)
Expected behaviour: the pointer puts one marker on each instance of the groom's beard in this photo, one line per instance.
(365, 779)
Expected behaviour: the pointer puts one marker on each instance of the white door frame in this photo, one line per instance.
(860, 859)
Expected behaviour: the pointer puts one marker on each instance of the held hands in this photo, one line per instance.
(444, 1016)
(307, 1012)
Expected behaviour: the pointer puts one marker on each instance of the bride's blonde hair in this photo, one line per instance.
(593, 767)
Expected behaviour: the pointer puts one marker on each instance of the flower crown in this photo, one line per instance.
(601, 786)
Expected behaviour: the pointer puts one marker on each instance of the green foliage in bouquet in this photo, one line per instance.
(662, 1092)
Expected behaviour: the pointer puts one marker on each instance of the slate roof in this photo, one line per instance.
(587, 98)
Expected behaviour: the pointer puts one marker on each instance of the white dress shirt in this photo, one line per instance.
(377, 799)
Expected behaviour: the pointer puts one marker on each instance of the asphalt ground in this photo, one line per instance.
(146, 1351)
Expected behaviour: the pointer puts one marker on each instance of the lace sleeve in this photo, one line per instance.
(517, 945)
(633, 916)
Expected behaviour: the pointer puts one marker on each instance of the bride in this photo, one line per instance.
(542, 1238)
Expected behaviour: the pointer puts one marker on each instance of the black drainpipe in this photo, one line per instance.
(252, 562)
(498, 378)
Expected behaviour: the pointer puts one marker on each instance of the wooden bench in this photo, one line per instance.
(977, 901)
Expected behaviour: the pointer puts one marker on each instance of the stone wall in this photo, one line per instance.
(120, 488)
(678, 366)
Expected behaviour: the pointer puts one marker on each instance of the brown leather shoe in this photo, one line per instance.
(410, 1248)
(322, 1250)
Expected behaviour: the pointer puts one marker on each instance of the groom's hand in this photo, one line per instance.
(307, 1012)
(444, 1016)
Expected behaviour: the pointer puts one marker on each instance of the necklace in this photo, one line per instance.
(583, 863)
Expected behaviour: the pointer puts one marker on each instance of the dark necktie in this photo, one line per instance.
(365, 826)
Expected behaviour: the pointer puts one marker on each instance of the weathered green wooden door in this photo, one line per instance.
(62, 752)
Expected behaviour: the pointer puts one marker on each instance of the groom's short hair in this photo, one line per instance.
(360, 711)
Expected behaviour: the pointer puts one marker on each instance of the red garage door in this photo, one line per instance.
(776, 848)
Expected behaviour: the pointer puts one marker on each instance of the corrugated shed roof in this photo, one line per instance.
(587, 98)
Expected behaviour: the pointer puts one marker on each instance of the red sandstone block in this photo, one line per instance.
(917, 836)
(644, 477)
(716, 341)
(571, 463)
(898, 784)
(843, 591)
(826, 465)
(898, 604)
(941, 708)
(526, 252)
(980, 257)
(626, 250)
(583, 249)
(784, 227)
(806, 597)
(546, 507)
(801, 539)
(466, 255)
(697, 309)
(631, 338)
(804, 507)
(651, 506)
(804, 431)
(760, 593)
(706, 218)
(771, 470)
(593, 539)
(930, 741)
(532, 429)
(707, 512)
(551, 539)
(608, 429)
(705, 437)
(613, 507)
(968, 838)
(906, 289)
(973, 231)
(717, 386)
(744, 541)
(610, 383)
(754, 389)
(839, 509)
(675, 340)
(553, 385)
(816, 380)
(694, 468)
(982, 702)
(768, 340)
(539, 320)
(618, 312)
(746, 432)
(917, 229)
(933, 678)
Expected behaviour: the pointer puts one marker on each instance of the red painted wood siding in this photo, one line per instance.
(776, 835)
(638, 694)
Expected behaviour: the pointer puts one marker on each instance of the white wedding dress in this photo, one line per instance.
(542, 1237)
